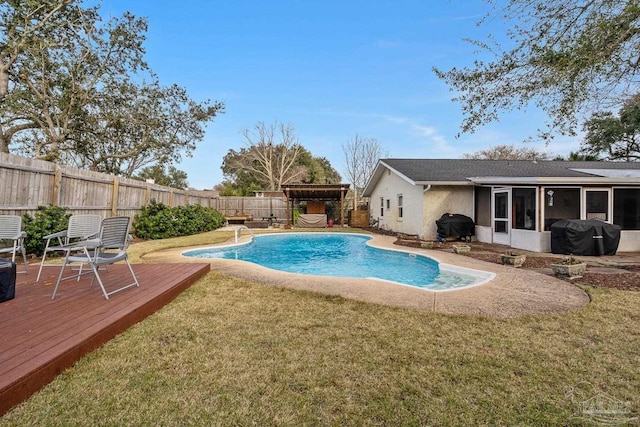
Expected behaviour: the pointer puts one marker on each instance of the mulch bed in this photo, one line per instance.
(625, 277)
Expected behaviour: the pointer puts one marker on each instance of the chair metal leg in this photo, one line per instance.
(44, 257)
(64, 265)
(24, 256)
(97, 276)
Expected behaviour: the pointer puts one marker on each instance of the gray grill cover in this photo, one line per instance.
(584, 237)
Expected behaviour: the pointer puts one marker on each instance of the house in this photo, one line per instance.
(511, 202)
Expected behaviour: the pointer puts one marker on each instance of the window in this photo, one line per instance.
(381, 206)
(560, 203)
(501, 211)
(388, 204)
(400, 206)
(483, 206)
(597, 204)
(524, 208)
(626, 208)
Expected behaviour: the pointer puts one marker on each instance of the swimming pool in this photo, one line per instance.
(345, 255)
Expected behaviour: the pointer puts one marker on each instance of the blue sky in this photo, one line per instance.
(332, 69)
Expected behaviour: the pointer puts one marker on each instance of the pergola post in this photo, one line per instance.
(289, 212)
(342, 206)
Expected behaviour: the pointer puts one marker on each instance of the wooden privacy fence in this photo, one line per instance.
(26, 184)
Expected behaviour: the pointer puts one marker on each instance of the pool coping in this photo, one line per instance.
(512, 292)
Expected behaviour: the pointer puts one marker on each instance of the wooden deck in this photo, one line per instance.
(41, 338)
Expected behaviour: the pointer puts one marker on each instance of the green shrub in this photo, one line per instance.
(47, 220)
(159, 221)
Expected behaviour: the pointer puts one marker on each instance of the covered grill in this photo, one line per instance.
(7, 280)
(584, 237)
(455, 225)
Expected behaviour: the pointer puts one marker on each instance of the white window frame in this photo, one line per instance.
(583, 207)
(537, 206)
(612, 204)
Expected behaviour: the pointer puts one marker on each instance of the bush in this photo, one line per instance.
(47, 220)
(158, 221)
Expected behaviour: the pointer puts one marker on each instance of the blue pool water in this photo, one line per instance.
(340, 255)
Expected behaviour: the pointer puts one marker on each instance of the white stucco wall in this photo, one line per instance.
(421, 209)
(530, 240)
(440, 200)
(389, 187)
(484, 234)
(629, 241)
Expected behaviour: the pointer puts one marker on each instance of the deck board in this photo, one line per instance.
(43, 337)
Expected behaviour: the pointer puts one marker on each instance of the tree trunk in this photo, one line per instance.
(4, 83)
(4, 143)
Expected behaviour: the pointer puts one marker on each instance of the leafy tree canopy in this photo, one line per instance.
(169, 176)
(614, 137)
(508, 152)
(76, 90)
(567, 57)
(577, 156)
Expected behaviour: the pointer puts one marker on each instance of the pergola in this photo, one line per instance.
(315, 192)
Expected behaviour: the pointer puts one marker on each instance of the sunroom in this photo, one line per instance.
(520, 215)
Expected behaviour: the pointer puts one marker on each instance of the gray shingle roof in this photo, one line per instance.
(451, 170)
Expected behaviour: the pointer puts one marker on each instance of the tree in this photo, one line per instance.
(243, 181)
(79, 91)
(228, 188)
(507, 152)
(569, 57)
(614, 137)
(169, 176)
(361, 156)
(157, 125)
(578, 156)
(318, 169)
(23, 24)
(270, 157)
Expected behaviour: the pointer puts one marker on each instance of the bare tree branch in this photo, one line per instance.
(361, 156)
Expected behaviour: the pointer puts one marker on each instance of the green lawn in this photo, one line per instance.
(228, 352)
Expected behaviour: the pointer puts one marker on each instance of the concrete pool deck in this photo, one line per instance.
(513, 292)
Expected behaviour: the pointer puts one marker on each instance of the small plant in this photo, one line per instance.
(47, 220)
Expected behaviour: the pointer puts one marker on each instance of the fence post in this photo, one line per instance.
(114, 196)
(147, 195)
(57, 184)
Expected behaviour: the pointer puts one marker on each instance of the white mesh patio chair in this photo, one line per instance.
(12, 237)
(110, 247)
(80, 227)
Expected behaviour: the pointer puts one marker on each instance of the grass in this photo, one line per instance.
(137, 250)
(228, 352)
